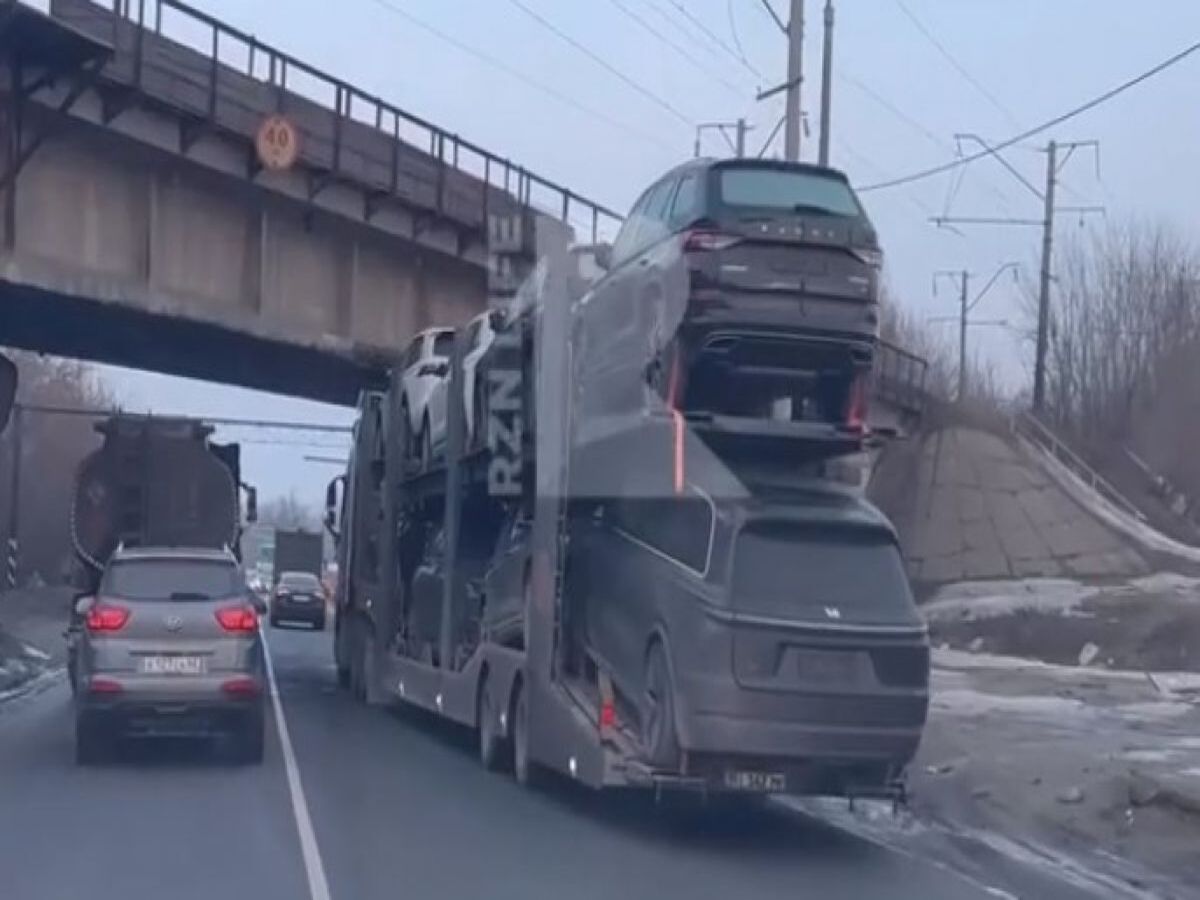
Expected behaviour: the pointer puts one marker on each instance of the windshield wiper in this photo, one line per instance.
(813, 210)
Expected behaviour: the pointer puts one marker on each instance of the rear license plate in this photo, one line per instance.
(825, 666)
(172, 665)
(760, 782)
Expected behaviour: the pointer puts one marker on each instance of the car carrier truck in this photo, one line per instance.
(638, 599)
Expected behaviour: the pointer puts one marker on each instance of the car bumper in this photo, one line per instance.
(153, 709)
(313, 612)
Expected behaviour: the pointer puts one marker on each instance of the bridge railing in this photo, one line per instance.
(226, 46)
(899, 378)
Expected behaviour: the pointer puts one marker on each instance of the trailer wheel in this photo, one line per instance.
(661, 743)
(524, 768)
(489, 736)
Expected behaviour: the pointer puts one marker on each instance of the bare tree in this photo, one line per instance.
(289, 513)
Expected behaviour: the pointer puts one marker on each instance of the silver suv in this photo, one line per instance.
(169, 646)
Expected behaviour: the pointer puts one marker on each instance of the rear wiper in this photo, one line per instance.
(188, 595)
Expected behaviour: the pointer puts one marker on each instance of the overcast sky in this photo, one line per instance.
(898, 102)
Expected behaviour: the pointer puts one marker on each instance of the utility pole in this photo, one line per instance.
(738, 145)
(1046, 223)
(826, 83)
(965, 306)
(13, 548)
(962, 336)
(1043, 320)
(795, 78)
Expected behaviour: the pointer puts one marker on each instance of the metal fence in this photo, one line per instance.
(226, 47)
(899, 378)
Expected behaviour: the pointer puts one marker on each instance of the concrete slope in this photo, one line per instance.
(971, 504)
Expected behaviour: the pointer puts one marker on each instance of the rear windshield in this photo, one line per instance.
(783, 189)
(171, 579)
(826, 576)
(299, 580)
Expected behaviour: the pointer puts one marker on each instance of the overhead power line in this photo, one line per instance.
(956, 65)
(708, 32)
(507, 69)
(601, 61)
(682, 51)
(1037, 129)
(733, 30)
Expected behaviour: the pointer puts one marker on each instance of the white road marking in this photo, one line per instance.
(318, 885)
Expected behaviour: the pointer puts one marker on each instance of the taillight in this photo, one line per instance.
(241, 686)
(101, 685)
(105, 618)
(856, 404)
(868, 255)
(703, 240)
(240, 619)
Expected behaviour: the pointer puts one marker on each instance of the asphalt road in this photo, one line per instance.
(399, 808)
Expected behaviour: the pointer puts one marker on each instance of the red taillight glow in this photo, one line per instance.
(105, 618)
(240, 619)
(703, 240)
(98, 685)
(242, 686)
(856, 407)
(608, 714)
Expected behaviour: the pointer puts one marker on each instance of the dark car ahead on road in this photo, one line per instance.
(169, 647)
(732, 286)
(775, 638)
(298, 597)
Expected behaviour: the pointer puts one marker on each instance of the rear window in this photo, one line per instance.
(784, 189)
(299, 580)
(443, 344)
(171, 579)
(823, 576)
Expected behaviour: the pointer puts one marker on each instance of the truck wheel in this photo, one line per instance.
(659, 739)
(525, 769)
(489, 735)
(343, 670)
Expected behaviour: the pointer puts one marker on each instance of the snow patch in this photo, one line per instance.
(988, 600)
(34, 653)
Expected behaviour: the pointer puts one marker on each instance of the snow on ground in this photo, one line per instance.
(1138, 531)
(990, 599)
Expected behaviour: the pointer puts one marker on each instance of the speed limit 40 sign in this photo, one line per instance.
(277, 143)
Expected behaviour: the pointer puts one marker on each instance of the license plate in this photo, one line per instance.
(760, 782)
(172, 665)
(826, 665)
(302, 598)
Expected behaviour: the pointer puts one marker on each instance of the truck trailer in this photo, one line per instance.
(636, 599)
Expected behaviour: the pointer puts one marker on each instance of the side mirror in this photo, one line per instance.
(496, 318)
(259, 604)
(8, 389)
(604, 257)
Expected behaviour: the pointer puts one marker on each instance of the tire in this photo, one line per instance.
(343, 677)
(490, 743)
(92, 743)
(343, 670)
(406, 434)
(659, 738)
(319, 625)
(525, 769)
(250, 740)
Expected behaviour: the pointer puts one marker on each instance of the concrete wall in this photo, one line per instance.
(970, 505)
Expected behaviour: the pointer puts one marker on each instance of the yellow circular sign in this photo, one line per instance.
(277, 143)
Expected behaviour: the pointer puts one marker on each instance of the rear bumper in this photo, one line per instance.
(782, 314)
(169, 715)
(299, 612)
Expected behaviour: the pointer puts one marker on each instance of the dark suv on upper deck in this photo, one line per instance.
(735, 286)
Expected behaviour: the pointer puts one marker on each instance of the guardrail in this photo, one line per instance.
(350, 106)
(899, 377)
(1026, 424)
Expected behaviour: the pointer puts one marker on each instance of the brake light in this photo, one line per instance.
(241, 686)
(105, 618)
(240, 619)
(856, 406)
(700, 240)
(99, 685)
(608, 714)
